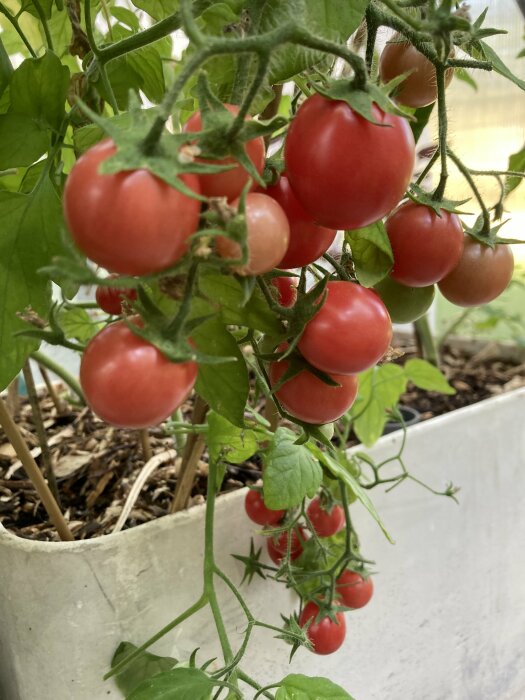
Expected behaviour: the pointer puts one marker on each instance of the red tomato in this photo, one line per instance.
(130, 222)
(229, 183)
(481, 275)
(350, 332)
(344, 170)
(353, 590)
(419, 88)
(308, 241)
(268, 236)
(110, 299)
(128, 382)
(309, 399)
(326, 523)
(326, 635)
(278, 545)
(286, 290)
(258, 512)
(426, 246)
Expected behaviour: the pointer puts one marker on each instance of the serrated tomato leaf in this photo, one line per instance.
(178, 684)
(298, 687)
(143, 667)
(371, 253)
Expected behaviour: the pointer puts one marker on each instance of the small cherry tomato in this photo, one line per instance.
(229, 183)
(110, 299)
(426, 246)
(327, 635)
(278, 545)
(286, 290)
(354, 590)
(350, 332)
(308, 241)
(258, 512)
(405, 304)
(480, 276)
(326, 522)
(268, 233)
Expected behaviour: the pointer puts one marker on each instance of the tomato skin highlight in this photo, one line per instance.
(286, 290)
(344, 170)
(278, 546)
(129, 222)
(268, 236)
(353, 590)
(128, 382)
(426, 246)
(419, 89)
(350, 333)
(308, 241)
(309, 399)
(229, 183)
(405, 304)
(257, 511)
(326, 523)
(326, 635)
(110, 299)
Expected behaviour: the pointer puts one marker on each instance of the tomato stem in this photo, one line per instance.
(468, 177)
(443, 129)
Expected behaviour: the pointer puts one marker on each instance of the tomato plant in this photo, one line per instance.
(326, 520)
(279, 546)
(128, 382)
(112, 299)
(333, 156)
(268, 233)
(350, 332)
(353, 590)
(131, 222)
(326, 633)
(228, 183)
(426, 246)
(258, 512)
(480, 276)
(404, 304)
(308, 241)
(419, 88)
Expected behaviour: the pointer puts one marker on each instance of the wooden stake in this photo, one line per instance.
(146, 444)
(60, 405)
(192, 453)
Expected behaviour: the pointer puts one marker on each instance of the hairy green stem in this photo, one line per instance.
(43, 20)
(401, 14)
(443, 130)
(468, 177)
(59, 370)
(426, 340)
(18, 29)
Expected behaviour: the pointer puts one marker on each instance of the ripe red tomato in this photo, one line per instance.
(350, 332)
(309, 399)
(353, 590)
(286, 290)
(128, 382)
(405, 304)
(258, 512)
(278, 545)
(326, 635)
(110, 299)
(326, 523)
(268, 236)
(426, 246)
(229, 183)
(308, 241)
(344, 170)
(481, 275)
(419, 88)
(130, 222)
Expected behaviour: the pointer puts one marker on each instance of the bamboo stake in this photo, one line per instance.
(192, 453)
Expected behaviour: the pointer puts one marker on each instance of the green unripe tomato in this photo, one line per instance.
(404, 304)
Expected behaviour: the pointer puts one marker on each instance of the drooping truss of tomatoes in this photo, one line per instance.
(326, 635)
(308, 241)
(228, 183)
(128, 382)
(419, 88)
(426, 246)
(349, 333)
(268, 233)
(346, 171)
(129, 222)
(480, 276)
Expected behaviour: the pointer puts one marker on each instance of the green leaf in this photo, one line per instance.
(38, 90)
(463, 75)
(77, 324)
(290, 472)
(158, 9)
(31, 225)
(29, 6)
(223, 386)
(228, 442)
(426, 376)
(371, 253)
(298, 687)
(178, 684)
(516, 163)
(144, 666)
(6, 69)
(22, 140)
(490, 55)
(421, 116)
(87, 136)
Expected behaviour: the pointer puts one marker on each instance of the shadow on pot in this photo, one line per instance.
(411, 416)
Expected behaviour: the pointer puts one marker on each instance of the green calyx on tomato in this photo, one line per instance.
(405, 304)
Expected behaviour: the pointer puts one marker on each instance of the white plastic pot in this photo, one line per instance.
(447, 621)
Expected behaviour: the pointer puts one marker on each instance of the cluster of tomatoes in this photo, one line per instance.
(325, 627)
